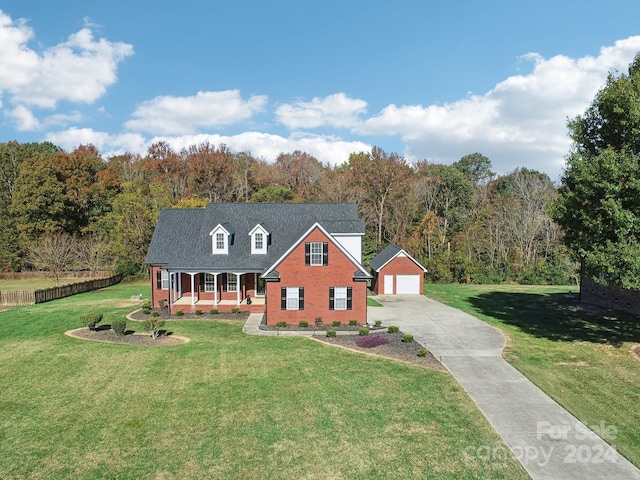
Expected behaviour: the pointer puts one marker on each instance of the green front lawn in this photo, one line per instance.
(581, 356)
(225, 405)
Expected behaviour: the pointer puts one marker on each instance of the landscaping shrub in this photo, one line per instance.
(281, 324)
(198, 311)
(378, 323)
(422, 352)
(154, 325)
(146, 304)
(331, 333)
(146, 311)
(407, 338)
(393, 329)
(318, 320)
(371, 341)
(155, 313)
(235, 310)
(353, 323)
(363, 331)
(303, 323)
(179, 313)
(214, 311)
(336, 323)
(119, 326)
(91, 321)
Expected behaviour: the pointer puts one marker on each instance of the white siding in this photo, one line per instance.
(352, 244)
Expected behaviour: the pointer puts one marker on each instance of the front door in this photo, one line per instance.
(388, 284)
(260, 286)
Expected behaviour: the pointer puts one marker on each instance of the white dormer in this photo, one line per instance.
(220, 239)
(259, 239)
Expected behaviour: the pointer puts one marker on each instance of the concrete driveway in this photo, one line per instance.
(548, 441)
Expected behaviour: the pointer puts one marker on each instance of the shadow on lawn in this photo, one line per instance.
(559, 317)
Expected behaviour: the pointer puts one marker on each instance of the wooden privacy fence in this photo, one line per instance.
(21, 297)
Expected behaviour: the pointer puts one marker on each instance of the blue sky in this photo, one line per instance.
(430, 80)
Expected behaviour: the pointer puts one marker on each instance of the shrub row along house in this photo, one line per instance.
(292, 261)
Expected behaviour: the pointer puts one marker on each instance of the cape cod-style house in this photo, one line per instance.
(292, 261)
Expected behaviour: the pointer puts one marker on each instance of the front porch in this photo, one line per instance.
(190, 304)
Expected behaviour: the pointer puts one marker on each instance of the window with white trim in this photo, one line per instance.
(340, 298)
(292, 298)
(232, 282)
(209, 282)
(162, 280)
(258, 241)
(220, 241)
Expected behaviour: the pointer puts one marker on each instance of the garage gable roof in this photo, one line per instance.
(388, 254)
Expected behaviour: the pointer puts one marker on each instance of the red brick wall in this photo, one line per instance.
(316, 280)
(398, 266)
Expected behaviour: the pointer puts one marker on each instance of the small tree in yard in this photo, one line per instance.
(154, 325)
(54, 254)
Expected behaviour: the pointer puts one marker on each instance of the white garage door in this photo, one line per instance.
(407, 284)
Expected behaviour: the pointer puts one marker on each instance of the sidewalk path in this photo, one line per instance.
(549, 442)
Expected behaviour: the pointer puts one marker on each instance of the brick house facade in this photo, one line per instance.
(397, 272)
(291, 261)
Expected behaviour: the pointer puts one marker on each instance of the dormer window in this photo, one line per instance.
(259, 240)
(220, 240)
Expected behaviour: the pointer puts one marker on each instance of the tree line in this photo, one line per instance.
(461, 221)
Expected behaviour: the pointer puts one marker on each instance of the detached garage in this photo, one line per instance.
(395, 272)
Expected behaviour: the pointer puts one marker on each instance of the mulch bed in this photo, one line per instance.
(636, 351)
(396, 349)
(236, 317)
(130, 337)
(323, 327)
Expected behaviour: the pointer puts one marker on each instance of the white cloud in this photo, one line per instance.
(167, 115)
(77, 70)
(335, 110)
(522, 121)
(23, 119)
(329, 150)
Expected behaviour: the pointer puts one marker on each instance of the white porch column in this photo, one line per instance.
(238, 287)
(215, 289)
(193, 289)
(170, 289)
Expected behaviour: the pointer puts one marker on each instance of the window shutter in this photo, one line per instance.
(283, 298)
(307, 253)
(158, 280)
(332, 298)
(325, 253)
(301, 298)
(349, 298)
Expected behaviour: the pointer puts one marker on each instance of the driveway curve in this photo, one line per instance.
(548, 441)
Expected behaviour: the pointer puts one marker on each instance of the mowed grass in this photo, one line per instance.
(32, 284)
(223, 406)
(580, 355)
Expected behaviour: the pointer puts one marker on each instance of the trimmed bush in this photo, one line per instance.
(331, 333)
(214, 311)
(393, 329)
(281, 324)
(371, 341)
(378, 323)
(235, 310)
(198, 312)
(363, 331)
(90, 321)
(303, 323)
(422, 352)
(179, 313)
(407, 338)
(155, 313)
(146, 311)
(353, 322)
(318, 320)
(154, 325)
(336, 323)
(146, 304)
(119, 326)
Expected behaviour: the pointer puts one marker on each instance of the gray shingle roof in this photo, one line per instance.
(388, 254)
(181, 238)
(384, 256)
